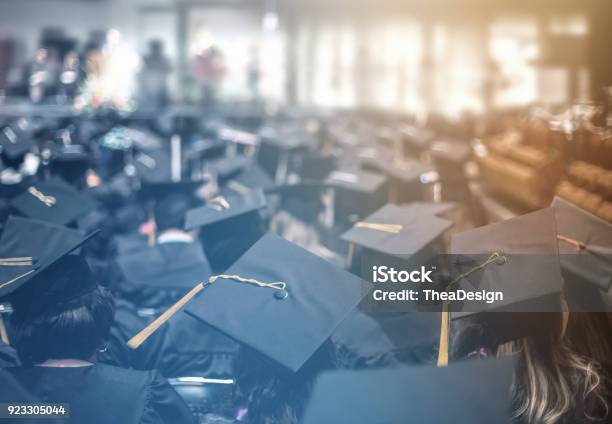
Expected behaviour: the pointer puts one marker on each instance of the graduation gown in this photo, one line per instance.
(8, 356)
(98, 394)
(156, 277)
(387, 339)
(183, 347)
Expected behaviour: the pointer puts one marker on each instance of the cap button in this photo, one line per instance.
(281, 294)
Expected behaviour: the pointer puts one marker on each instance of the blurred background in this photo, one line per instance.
(524, 86)
(416, 57)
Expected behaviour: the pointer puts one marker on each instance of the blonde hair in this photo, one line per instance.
(561, 377)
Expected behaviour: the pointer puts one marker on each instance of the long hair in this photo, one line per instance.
(564, 378)
(276, 396)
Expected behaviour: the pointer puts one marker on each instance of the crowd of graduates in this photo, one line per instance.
(207, 266)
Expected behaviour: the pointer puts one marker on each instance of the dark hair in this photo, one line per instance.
(73, 330)
(275, 395)
(170, 211)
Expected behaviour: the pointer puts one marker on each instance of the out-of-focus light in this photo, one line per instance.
(270, 21)
(429, 177)
(114, 81)
(480, 149)
(113, 36)
(577, 26)
(202, 41)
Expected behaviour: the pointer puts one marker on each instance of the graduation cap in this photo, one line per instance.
(451, 151)
(237, 136)
(585, 247)
(518, 258)
(356, 181)
(228, 167)
(29, 247)
(277, 299)
(202, 149)
(357, 192)
(464, 393)
(160, 190)
(154, 170)
(432, 208)
(54, 201)
(414, 139)
(250, 178)
(70, 153)
(70, 161)
(223, 210)
(397, 230)
(172, 266)
(230, 225)
(153, 166)
(14, 142)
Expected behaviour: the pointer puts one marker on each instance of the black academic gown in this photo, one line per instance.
(8, 356)
(183, 347)
(387, 339)
(156, 277)
(98, 394)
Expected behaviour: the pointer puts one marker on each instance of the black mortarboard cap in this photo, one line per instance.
(585, 244)
(54, 201)
(70, 161)
(14, 142)
(432, 208)
(415, 139)
(519, 258)
(228, 167)
(170, 266)
(153, 166)
(237, 136)
(397, 230)
(406, 170)
(358, 181)
(302, 302)
(222, 210)
(464, 393)
(70, 154)
(250, 178)
(29, 247)
(452, 151)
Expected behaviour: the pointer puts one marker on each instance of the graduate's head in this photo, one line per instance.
(170, 211)
(61, 314)
(564, 376)
(274, 394)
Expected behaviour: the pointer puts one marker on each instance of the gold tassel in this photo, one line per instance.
(49, 201)
(221, 201)
(443, 345)
(237, 187)
(23, 261)
(152, 236)
(3, 333)
(143, 335)
(388, 228)
(597, 250)
(279, 285)
(350, 254)
(444, 336)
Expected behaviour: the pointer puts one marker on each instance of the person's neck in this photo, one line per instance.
(65, 363)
